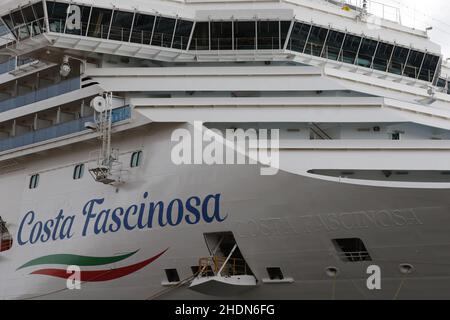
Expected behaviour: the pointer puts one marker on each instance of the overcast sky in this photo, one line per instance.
(425, 13)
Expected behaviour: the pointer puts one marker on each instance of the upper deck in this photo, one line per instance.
(192, 31)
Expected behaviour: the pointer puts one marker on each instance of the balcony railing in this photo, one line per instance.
(59, 130)
(41, 94)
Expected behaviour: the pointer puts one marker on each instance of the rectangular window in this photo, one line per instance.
(398, 60)
(382, 56)
(222, 35)
(285, 25)
(366, 53)
(244, 35)
(182, 34)
(351, 250)
(429, 67)
(34, 181)
(172, 275)
(121, 26)
(57, 14)
(299, 36)
(85, 13)
(333, 45)
(316, 41)
(163, 34)
(136, 159)
(350, 48)
(78, 172)
(268, 35)
(142, 29)
(200, 39)
(100, 22)
(413, 64)
(275, 273)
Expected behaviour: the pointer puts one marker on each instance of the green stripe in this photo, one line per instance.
(70, 259)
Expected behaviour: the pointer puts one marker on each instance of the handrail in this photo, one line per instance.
(59, 130)
(232, 267)
(40, 94)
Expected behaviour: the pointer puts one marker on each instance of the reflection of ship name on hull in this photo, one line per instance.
(382, 219)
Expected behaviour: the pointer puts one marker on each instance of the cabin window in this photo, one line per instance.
(366, 53)
(78, 172)
(142, 28)
(57, 13)
(299, 36)
(398, 60)
(275, 273)
(222, 35)
(382, 56)
(172, 275)
(413, 64)
(182, 34)
(121, 26)
(268, 35)
(200, 39)
(164, 31)
(350, 48)
(333, 45)
(136, 159)
(245, 35)
(429, 67)
(6, 239)
(99, 23)
(316, 41)
(351, 250)
(34, 181)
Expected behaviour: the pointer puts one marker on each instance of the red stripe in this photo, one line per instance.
(99, 275)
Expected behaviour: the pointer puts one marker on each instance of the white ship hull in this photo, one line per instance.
(286, 221)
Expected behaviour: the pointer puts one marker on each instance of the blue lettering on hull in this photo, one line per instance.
(99, 220)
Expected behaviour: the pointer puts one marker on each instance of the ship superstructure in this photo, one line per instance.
(91, 93)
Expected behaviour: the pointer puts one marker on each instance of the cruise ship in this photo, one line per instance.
(344, 191)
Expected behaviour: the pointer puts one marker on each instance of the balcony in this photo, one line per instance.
(41, 94)
(59, 130)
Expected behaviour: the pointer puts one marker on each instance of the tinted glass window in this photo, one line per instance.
(382, 56)
(38, 10)
(333, 45)
(316, 41)
(200, 39)
(299, 36)
(121, 26)
(285, 25)
(99, 24)
(398, 60)
(221, 35)
(57, 13)
(85, 12)
(245, 35)
(9, 23)
(429, 67)
(163, 34)
(350, 48)
(39, 13)
(413, 64)
(142, 29)
(268, 35)
(28, 14)
(182, 34)
(366, 53)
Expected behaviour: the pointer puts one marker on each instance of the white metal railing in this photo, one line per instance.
(382, 10)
